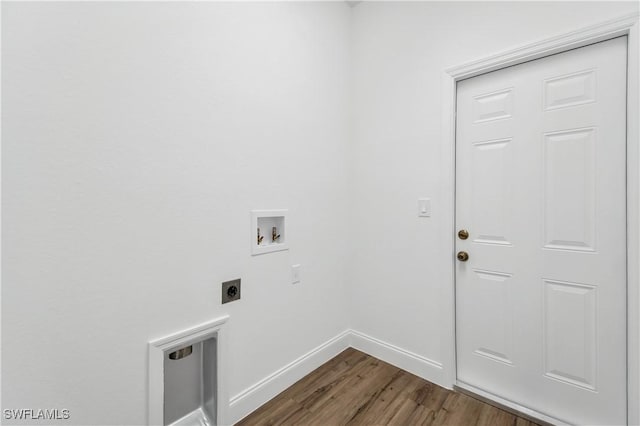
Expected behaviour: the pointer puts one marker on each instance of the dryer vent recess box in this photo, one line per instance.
(268, 231)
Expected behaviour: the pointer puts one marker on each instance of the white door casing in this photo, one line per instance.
(540, 185)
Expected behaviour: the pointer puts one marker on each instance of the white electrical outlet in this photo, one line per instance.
(295, 274)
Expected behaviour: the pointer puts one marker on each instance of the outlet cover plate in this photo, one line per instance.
(230, 291)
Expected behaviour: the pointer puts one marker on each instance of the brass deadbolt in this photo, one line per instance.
(463, 234)
(463, 256)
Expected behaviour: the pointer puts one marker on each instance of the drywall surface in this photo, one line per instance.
(137, 137)
(400, 50)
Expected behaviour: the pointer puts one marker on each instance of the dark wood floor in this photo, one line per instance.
(357, 389)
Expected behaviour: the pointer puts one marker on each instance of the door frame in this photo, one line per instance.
(627, 25)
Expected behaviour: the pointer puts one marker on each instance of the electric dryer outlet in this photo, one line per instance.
(230, 291)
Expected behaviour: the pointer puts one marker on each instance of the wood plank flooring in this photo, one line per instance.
(356, 389)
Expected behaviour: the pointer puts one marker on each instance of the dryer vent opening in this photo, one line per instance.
(186, 377)
(190, 384)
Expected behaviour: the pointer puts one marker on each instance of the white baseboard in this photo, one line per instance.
(257, 394)
(413, 363)
(250, 399)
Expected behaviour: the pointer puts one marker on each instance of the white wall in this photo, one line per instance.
(400, 50)
(137, 137)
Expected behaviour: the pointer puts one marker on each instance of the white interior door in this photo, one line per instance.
(541, 189)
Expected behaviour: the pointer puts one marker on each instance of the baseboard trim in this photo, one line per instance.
(419, 365)
(250, 399)
(506, 405)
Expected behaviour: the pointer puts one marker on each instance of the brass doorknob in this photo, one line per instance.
(463, 234)
(463, 256)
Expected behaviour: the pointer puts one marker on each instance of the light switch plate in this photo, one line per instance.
(424, 207)
(295, 274)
